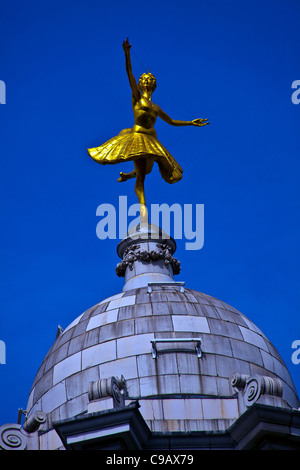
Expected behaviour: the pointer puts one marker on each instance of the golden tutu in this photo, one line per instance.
(129, 145)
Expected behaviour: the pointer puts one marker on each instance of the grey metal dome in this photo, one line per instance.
(184, 355)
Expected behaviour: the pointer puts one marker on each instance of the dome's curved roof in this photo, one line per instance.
(114, 338)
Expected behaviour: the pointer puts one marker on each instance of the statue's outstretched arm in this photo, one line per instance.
(135, 90)
(174, 122)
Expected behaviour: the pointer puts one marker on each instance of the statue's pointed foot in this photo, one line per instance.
(122, 177)
(126, 176)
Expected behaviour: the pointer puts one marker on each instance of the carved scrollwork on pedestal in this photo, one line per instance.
(117, 393)
(238, 381)
(134, 253)
(12, 438)
(261, 385)
(33, 423)
(114, 387)
(252, 388)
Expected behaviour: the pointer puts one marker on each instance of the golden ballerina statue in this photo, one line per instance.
(140, 143)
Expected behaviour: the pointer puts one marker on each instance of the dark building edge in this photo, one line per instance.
(261, 427)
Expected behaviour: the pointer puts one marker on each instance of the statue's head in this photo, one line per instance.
(147, 81)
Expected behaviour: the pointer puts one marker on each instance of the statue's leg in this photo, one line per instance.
(132, 174)
(140, 168)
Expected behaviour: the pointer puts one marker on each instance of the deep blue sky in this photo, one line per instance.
(63, 64)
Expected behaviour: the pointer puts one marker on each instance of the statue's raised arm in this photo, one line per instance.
(135, 90)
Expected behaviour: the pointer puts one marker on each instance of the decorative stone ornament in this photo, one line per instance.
(35, 421)
(134, 253)
(252, 388)
(15, 437)
(114, 387)
(12, 437)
